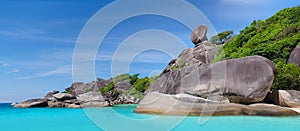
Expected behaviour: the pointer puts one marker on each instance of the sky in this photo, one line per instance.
(38, 37)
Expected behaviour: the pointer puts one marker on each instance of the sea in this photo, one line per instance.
(123, 118)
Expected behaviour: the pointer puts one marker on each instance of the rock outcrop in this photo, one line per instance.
(100, 93)
(199, 35)
(245, 80)
(158, 103)
(191, 85)
(32, 103)
(295, 56)
(286, 98)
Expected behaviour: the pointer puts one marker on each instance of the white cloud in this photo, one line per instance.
(64, 70)
(6, 65)
(14, 71)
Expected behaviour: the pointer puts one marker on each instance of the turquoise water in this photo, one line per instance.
(123, 118)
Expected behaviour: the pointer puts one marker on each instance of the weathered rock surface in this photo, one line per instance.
(157, 103)
(287, 98)
(49, 96)
(295, 56)
(244, 80)
(57, 104)
(123, 84)
(32, 103)
(63, 96)
(90, 96)
(199, 34)
(93, 104)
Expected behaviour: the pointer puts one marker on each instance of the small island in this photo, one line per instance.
(253, 73)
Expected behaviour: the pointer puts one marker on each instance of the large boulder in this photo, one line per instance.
(287, 98)
(90, 96)
(125, 84)
(32, 103)
(295, 56)
(199, 34)
(157, 103)
(94, 104)
(64, 96)
(244, 80)
(49, 96)
(57, 104)
(78, 88)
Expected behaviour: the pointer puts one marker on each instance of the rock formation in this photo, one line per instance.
(191, 85)
(158, 103)
(286, 98)
(199, 35)
(92, 94)
(295, 56)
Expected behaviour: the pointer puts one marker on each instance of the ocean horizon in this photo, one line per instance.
(62, 119)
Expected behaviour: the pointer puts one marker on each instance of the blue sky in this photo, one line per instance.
(37, 39)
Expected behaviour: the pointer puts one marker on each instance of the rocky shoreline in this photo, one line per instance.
(190, 85)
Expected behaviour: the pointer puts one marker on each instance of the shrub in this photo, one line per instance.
(287, 77)
(142, 85)
(107, 88)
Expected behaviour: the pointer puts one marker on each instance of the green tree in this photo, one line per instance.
(142, 85)
(287, 77)
(222, 37)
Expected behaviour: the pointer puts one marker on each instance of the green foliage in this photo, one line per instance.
(287, 77)
(142, 85)
(107, 88)
(121, 77)
(274, 39)
(135, 93)
(134, 78)
(67, 91)
(221, 38)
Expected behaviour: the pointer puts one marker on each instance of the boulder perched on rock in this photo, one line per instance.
(295, 56)
(32, 103)
(244, 80)
(199, 34)
(287, 98)
(157, 103)
(63, 96)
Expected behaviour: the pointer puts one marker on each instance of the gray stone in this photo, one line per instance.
(287, 98)
(32, 103)
(49, 96)
(125, 84)
(244, 80)
(57, 104)
(64, 96)
(72, 106)
(199, 34)
(94, 104)
(90, 96)
(295, 56)
(157, 103)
